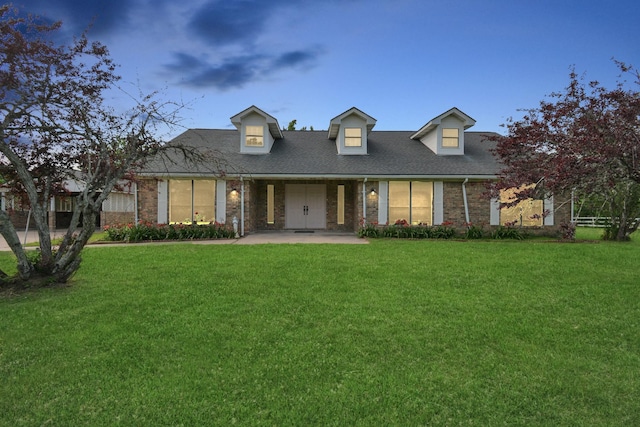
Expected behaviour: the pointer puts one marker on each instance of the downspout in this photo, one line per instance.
(135, 202)
(364, 201)
(464, 197)
(241, 206)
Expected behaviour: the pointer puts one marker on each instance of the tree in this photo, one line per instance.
(584, 140)
(55, 126)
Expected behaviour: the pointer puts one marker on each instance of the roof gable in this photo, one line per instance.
(334, 124)
(435, 122)
(272, 122)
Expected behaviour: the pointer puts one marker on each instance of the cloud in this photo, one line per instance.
(228, 22)
(103, 16)
(293, 59)
(235, 72)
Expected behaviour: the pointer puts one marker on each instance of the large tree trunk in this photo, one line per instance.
(8, 231)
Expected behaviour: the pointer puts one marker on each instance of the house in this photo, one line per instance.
(335, 179)
(119, 207)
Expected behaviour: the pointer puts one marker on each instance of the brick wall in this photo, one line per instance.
(148, 200)
(113, 218)
(453, 203)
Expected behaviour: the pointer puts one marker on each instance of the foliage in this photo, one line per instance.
(508, 232)
(401, 229)
(393, 333)
(568, 231)
(146, 231)
(55, 128)
(585, 139)
(473, 232)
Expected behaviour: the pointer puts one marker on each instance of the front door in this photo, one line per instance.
(305, 206)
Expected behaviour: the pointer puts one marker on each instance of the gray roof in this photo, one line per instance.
(311, 154)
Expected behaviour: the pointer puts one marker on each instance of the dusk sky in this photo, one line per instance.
(402, 62)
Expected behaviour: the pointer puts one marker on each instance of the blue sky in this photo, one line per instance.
(402, 62)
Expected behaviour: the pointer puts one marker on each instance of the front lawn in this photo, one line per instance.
(391, 333)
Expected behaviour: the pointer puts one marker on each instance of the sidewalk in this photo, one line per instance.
(266, 237)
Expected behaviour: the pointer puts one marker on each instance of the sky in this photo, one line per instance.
(402, 62)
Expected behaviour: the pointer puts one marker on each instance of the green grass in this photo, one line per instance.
(390, 333)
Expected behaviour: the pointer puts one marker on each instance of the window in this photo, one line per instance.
(340, 204)
(270, 204)
(254, 136)
(353, 137)
(64, 204)
(450, 138)
(527, 213)
(192, 200)
(411, 201)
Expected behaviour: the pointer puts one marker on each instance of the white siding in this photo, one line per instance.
(119, 202)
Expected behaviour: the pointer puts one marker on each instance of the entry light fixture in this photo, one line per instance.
(373, 191)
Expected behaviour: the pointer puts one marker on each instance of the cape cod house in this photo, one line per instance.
(334, 179)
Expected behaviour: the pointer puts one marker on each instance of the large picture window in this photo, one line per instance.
(192, 200)
(411, 201)
(527, 213)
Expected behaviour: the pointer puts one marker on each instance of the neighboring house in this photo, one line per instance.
(335, 179)
(118, 208)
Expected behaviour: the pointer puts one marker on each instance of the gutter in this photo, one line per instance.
(464, 197)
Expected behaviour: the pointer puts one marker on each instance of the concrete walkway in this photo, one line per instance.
(265, 237)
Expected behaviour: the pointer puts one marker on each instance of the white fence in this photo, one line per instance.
(593, 221)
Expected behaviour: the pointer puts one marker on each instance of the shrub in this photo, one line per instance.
(508, 232)
(568, 230)
(145, 231)
(401, 229)
(473, 232)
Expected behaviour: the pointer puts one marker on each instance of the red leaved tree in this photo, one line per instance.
(55, 127)
(585, 140)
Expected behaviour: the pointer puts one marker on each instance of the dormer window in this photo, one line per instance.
(258, 130)
(353, 137)
(444, 135)
(254, 136)
(350, 130)
(450, 138)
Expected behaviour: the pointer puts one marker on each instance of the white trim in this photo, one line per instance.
(329, 177)
(163, 202)
(221, 201)
(494, 212)
(383, 202)
(438, 202)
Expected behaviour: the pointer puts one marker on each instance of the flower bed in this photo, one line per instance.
(146, 231)
(402, 229)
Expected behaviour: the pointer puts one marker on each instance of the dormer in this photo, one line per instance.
(258, 130)
(444, 135)
(350, 130)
